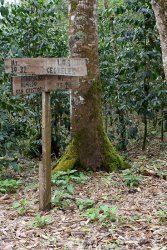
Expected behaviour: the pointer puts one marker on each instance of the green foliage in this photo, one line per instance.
(162, 215)
(131, 69)
(92, 213)
(61, 198)
(65, 182)
(132, 180)
(21, 206)
(43, 24)
(108, 213)
(9, 186)
(41, 221)
(133, 170)
(83, 204)
(65, 191)
(103, 213)
(107, 180)
(61, 178)
(9, 162)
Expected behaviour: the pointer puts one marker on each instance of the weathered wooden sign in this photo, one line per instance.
(37, 75)
(25, 85)
(46, 66)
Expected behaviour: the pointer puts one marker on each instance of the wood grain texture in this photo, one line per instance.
(24, 85)
(46, 66)
(45, 167)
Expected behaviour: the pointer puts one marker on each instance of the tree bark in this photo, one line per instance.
(160, 11)
(90, 147)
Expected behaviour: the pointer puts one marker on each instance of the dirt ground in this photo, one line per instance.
(137, 219)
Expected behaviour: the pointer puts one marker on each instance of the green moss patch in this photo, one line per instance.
(69, 159)
(112, 161)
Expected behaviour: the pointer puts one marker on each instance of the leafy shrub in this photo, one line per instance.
(21, 206)
(9, 186)
(103, 213)
(108, 213)
(61, 178)
(61, 198)
(92, 213)
(41, 221)
(132, 180)
(82, 204)
(20, 117)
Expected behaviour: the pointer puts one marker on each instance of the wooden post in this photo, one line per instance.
(36, 75)
(45, 167)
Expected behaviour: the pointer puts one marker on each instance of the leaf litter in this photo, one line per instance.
(138, 222)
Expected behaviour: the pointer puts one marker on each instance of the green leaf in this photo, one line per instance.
(104, 207)
(81, 207)
(16, 204)
(4, 11)
(70, 189)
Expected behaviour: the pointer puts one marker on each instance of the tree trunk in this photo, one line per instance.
(122, 125)
(162, 124)
(160, 10)
(145, 131)
(90, 147)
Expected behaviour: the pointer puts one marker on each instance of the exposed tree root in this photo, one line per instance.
(110, 160)
(69, 159)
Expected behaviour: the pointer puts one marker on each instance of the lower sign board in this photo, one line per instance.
(24, 85)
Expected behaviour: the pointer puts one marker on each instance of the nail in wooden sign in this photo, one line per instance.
(24, 85)
(46, 66)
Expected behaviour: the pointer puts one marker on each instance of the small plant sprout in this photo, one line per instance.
(107, 180)
(41, 221)
(162, 215)
(92, 213)
(103, 213)
(108, 213)
(21, 206)
(132, 180)
(82, 204)
(60, 197)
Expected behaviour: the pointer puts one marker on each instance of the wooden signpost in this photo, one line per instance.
(36, 75)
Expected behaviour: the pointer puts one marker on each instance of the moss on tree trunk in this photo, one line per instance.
(96, 154)
(90, 146)
(111, 160)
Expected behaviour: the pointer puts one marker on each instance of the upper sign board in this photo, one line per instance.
(24, 85)
(46, 66)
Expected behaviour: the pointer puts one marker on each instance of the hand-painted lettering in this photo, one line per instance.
(22, 69)
(33, 90)
(63, 62)
(28, 84)
(19, 91)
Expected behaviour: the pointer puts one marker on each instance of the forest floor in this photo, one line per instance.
(90, 210)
